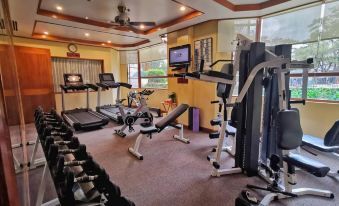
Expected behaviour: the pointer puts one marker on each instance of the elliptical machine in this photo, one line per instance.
(141, 116)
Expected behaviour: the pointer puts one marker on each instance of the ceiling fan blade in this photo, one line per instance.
(133, 23)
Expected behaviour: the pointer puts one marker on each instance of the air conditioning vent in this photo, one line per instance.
(14, 25)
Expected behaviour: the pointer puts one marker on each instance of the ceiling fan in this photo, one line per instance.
(123, 20)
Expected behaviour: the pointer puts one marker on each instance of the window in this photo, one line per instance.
(90, 70)
(132, 74)
(153, 67)
(154, 74)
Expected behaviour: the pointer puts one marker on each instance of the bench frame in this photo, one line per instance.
(135, 149)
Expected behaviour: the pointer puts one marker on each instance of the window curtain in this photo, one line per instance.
(90, 70)
(153, 53)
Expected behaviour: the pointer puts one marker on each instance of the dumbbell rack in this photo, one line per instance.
(74, 172)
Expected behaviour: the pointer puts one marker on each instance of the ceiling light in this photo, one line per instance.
(46, 32)
(182, 8)
(86, 17)
(54, 16)
(59, 8)
(159, 29)
(109, 42)
(43, 36)
(103, 44)
(87, 34)
(142, 26)
(130, 31)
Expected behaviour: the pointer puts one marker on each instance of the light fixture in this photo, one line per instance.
(159, 29)
(59, 8)
(130, 31)
(87, 34)
(54, 16)
(142, 26)
(182, 8)
(109, 41)
(163, 38)
(103, 44)
(43, 36)
(86, 17)
(46, 32)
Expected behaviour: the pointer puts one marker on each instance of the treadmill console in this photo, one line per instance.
(73, 79)
(108, 79)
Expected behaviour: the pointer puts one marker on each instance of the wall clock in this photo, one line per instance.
(72, 48)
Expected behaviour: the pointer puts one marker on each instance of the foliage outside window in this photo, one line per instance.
(154, 74)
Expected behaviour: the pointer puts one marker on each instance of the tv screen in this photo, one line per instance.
(106, 77)
(180, 55)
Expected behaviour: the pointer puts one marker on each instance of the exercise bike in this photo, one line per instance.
(141, 116)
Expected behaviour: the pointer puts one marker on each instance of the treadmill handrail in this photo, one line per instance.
(66, 88)
(126, 85)
(93, 87)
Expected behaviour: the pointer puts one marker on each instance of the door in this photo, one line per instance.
(35, 79)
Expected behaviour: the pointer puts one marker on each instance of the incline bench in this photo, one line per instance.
(330, 142)
(158, 127)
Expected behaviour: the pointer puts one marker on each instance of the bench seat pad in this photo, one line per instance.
(312, 166)
(318, 144)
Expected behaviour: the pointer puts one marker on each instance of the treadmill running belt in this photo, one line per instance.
(83, 118)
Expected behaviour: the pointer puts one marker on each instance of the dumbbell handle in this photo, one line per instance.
(67, 151)
(75, 163)
(85, 178)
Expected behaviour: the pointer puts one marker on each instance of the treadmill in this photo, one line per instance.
(80, 118)
(112, 111)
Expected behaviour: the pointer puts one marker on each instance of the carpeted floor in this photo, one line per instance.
(174, 173)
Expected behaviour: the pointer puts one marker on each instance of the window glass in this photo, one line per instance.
(158, 83)
(330, 27)
(154, 68)
(133, 75)
(293, 27)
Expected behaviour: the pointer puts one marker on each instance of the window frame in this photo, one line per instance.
(128, 77)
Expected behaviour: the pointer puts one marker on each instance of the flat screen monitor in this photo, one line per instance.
(106, 77)
(73, 79)
(180, 55)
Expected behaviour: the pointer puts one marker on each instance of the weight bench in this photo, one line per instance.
(329, 144)
(290, 138)
(158, 127)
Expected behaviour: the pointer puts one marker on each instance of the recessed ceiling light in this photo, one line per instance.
(86, 17)
(182, 8)
(109, 42)
(103, 44)
(142, 26)
(59, 8)
(54, 16)
(46, 32)
(159, 29)
(87, 34)
(130, 31)
(43, 36)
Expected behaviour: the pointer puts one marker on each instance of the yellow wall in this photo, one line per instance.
(318, 117)
(111, 64)
(197, 93)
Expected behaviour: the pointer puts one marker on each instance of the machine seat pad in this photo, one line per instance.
(215, 122)
(231, 130)
(171, 117)
(318, 144)
(312, 166)
(149, 130)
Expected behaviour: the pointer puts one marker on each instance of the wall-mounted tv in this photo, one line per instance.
(180, 55)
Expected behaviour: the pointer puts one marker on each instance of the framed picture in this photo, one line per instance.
(203, 50)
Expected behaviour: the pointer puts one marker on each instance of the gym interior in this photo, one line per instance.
(169, 102)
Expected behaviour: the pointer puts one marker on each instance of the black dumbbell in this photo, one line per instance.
(72, 142)
(84, 160)
(62, 131)
(47, 120)
(54, 151)
(85, 183)
(39, 111)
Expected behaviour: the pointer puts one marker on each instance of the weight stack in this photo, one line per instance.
(193, 119)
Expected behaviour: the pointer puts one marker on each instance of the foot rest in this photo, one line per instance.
(215, 122)
(314, 167)
(214, 135)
